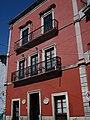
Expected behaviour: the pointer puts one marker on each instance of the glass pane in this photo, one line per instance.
(64, 100)
(59, 105)
(64, 104)
(34, 65)
(59, 101)
(33, 68)
(59, 110)
(33, 60)
(25, 33)
(64, 110)
(48, 65)
(52, 53)
(53, 62)
(47, 22)
(36, 59)
(48, 53)
(25, 36)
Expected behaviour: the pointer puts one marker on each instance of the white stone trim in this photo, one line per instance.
(79, 41)
(10, 33)
(47, 117)
(82, 68)
(70, 67)
(17, 99)
(67, 103)
(77, 30)
(88, 2)
(87, 56)
(80, 118)
(28, 101)
(23, 117)
(84, 88)
(7, 61)
(8, 117)
(81, 14)
(51, 118)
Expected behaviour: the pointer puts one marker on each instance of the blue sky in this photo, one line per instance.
(8, 10)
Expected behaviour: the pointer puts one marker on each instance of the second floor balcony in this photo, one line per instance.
(37, 36)
(36, 73)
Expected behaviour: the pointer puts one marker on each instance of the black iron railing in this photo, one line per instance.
(37, 69)
(53, 24)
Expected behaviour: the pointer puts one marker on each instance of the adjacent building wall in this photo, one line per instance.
(2, 82)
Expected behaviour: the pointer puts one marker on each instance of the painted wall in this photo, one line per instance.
(68, 82)
(65, 41)
(2, 87)
(66, 48)
(85, 31)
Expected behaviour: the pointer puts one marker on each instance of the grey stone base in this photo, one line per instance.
(50, 118)
(79, 118)
(21, 118)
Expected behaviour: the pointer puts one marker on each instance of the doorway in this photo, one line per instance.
(34, 106)
(15, 110)
(60, 106)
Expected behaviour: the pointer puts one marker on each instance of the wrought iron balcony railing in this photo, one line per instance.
(49, 29)
(37, 69)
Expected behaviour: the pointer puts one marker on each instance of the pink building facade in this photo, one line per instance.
(49, 62)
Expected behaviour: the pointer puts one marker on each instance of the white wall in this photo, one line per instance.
(2, 87)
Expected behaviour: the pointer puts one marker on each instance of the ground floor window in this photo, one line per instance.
(60, 106)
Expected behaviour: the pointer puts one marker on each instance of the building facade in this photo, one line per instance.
(49, 62)
(3, 72)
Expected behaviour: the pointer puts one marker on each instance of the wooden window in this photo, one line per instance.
(22, 68)
(34, 64)
(25, 36)
(49, 59)
(61, 105)
(48, 23)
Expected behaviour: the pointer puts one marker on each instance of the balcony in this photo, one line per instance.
(39, 72)
(37, 36)
(86, 11)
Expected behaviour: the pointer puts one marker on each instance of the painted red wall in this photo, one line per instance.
(68, 82)
(65, 48)
(65, 41)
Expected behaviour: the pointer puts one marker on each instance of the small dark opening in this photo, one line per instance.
(15, 110)
(89, 103)
(34, 106)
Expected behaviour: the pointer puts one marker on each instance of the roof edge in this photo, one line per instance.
(31, 7)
